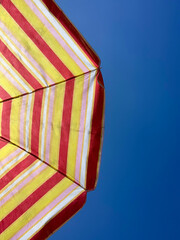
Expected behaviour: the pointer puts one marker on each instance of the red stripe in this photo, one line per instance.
(96, 135)
(29, 201)
(36, 122)
(16, 171)
(57, 12)
(6, 111)
(3, 94)
(19, 66)
(61, 218)
(2, 143)
(66, 122)
(37, 39)
(5, 121)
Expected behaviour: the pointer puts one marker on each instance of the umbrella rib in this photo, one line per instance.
(54, 84)
(97, 71)
(43, 162)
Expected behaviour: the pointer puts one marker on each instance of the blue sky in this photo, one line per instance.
(138, 193)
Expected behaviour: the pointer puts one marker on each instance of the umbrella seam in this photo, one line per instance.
(55, 84)
(43, 162)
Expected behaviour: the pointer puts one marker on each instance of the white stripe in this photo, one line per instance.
(44, 123)
(28, 120)
(87, 129)
(52, 213)
(20, 179)
(17, 52)
(10, 79)
(63, 33)
(9, 165)
(15, 75)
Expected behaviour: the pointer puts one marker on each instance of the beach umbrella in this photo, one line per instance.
(51, 119)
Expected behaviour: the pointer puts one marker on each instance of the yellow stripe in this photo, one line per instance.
(13, 164)
(25, 117)
(26, 191)
(6, 150)
(84, 125)
(73, 38)
(75, 122)
(41, 121)
(8, 87)
(1, 106)
(36, 208)
(20, 59)
(30, 119)
(15, 121)
(17, 73)
(28, 44)
(56, 126)
(64, 38)
(47, 36)
(18, 176)
(94, 89)
(68, 203)
(47, 116)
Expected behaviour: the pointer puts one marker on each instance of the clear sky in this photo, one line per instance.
(138, 192)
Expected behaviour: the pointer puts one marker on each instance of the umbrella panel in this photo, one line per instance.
(51, 118)
(35, 198)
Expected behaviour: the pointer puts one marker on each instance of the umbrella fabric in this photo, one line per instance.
(31, 194)
(51, 119)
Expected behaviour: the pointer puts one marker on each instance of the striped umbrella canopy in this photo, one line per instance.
(51, 119)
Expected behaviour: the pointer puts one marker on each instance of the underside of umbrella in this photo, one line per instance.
(51, 119)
